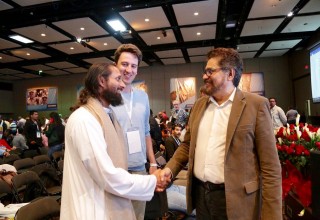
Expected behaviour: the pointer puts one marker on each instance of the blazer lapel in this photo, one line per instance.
(235, 114)
(198, 114)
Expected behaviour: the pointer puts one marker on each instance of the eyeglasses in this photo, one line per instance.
(210, 71)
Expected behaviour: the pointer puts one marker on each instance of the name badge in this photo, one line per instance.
(38, 134)
(134, 140)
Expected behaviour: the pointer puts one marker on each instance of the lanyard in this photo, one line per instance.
(129, 110)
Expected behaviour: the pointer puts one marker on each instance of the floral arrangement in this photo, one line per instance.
(294, 144)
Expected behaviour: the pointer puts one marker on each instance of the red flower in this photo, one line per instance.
(317, 145)
(299, 149)
(280, 132)
(290, 150)
(306, 152)
(305, 136)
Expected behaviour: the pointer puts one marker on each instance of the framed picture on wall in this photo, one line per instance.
(252, 82)
(140, 84)
(42, 99)
(183, 90)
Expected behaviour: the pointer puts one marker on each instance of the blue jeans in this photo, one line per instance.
(53, 149)
(176, 195)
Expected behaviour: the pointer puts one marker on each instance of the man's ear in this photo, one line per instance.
(101, 80)
(231, 74)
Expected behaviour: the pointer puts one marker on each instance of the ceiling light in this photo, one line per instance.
(146, 20)
(82, 28)
(28, 54)
(79, 39)
(198, 33)
(196, 13)
(71, 48)
(43, 35)
(21, 39)
(116, 25)
(290, 14)
(105, 44)
(230, 24)
(0, 58)
(158, 38)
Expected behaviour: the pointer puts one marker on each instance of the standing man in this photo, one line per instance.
(234, 170)
(32, 131)
(133, 117)
(172, 142)
(178, 115)
(279, 118)
(96, 184)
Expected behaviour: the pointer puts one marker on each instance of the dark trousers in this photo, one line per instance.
(210, 203)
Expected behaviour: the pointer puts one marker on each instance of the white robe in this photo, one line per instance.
(89, 172)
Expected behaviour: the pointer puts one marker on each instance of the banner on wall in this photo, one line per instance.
(41, 99)
(252, 82)
(184, 91)
(140, 84)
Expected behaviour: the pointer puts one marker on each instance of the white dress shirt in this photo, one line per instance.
(211, 141)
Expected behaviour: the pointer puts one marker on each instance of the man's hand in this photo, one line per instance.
(165, 179)
(162, 182)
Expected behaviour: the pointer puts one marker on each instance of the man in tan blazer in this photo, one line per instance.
(234, 170)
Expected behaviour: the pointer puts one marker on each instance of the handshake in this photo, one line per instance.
(163, 179)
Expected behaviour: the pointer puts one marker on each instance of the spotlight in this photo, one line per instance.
(164, 33)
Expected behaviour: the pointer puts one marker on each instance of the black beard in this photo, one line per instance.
(113, 98)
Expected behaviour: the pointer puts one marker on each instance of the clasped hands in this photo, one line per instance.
(163, 179)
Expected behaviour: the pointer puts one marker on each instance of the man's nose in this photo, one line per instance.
(128, 69)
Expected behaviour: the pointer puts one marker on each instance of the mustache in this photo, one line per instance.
(207, 80)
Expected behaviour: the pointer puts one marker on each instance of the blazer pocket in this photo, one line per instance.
(251, 187)
(245, 127)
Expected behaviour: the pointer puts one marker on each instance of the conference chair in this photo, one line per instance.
(23, 165)
(10, 159)
(42, 208)
(40, 159)
(30, 153)
(27, 186)
(5, 192)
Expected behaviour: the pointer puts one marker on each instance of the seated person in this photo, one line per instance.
(19, 140)
(176, 194)
(177, 201)
(3, 152)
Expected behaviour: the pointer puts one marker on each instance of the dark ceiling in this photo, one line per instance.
(261, 28)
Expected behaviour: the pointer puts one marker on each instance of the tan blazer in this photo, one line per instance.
(252, 169)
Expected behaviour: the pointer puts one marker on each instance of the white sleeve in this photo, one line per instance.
(88, 138)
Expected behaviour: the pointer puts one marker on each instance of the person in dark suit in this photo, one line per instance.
(173, 141)
(234, 170)
(32, 131)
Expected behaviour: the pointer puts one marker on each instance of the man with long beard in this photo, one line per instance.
(234, 170)
(96, 184)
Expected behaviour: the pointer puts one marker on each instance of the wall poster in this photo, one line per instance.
(252, 82)
(184, 91)
(41, 99)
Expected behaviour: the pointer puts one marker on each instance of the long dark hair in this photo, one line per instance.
(56, 118)
(91, 83)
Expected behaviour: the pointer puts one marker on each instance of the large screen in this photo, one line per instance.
(41, 99)
(315, 73)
